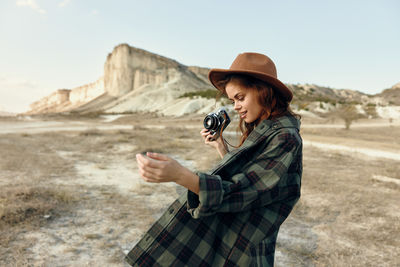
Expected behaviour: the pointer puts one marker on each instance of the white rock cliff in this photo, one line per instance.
(134, 80)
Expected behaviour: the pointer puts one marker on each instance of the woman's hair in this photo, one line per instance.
(274, 104)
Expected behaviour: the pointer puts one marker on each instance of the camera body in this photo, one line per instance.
(216, 122)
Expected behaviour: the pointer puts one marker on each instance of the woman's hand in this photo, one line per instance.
(217, 144)
(209, 139)
(158, 168)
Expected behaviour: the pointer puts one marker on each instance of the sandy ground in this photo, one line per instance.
(348, 214)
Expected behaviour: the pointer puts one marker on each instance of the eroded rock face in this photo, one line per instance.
(201, 73)
(128, 68)
(47, 103)
(87, 92)
(134, 80)
(66, 100)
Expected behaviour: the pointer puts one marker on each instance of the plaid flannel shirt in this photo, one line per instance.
(235, 218)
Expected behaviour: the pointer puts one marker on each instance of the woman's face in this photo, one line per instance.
(245, 101)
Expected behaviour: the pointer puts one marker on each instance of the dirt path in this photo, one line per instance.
(344, 145)
(354, 125)
(353, 146)
(35, 127)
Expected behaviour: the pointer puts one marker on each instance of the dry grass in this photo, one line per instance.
(356, 219)
(27, 207)
(22, 203)
(91, 132)
(344, 218)
(27, 201)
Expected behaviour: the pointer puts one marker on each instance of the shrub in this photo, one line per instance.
(210, 93)
(348, 113)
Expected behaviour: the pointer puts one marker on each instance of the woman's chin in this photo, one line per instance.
(247, 120)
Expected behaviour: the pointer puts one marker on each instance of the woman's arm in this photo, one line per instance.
(158, 168)
(217, 144)
(222, 150)
(271, 176)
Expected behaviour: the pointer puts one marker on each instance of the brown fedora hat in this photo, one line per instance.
(252, 64)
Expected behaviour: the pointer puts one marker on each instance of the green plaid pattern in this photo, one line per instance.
(234, 221)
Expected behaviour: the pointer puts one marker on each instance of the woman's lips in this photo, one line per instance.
(243, 114)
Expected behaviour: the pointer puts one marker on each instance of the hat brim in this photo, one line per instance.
(216, 75)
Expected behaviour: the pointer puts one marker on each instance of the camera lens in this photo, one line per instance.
(211, 122)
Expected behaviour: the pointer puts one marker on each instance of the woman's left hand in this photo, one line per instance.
(158, 168)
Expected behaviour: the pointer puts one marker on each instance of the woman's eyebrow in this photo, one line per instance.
(235, 96)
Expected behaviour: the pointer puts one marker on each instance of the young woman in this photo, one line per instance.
(231, 215)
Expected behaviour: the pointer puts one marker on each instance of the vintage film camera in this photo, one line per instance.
(216, 122)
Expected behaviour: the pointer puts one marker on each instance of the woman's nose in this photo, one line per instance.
(237, 106)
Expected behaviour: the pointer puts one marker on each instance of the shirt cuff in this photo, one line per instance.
(210, 196)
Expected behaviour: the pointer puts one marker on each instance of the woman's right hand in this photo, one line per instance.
(217, 144)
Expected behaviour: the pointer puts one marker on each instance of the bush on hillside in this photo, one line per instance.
(210, 93)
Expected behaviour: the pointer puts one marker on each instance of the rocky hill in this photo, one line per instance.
(134, 80)
(392, 95)
(137, 80)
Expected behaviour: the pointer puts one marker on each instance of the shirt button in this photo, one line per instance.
(171, 211)
(147, 238)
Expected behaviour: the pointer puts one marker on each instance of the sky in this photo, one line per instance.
(47, 45)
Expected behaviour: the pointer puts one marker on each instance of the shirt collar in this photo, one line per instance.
(286, 121)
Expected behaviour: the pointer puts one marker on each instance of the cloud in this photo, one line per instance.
(94, 12)
(32, 4)
(64, 3)
(17, 94)
(7, 81)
